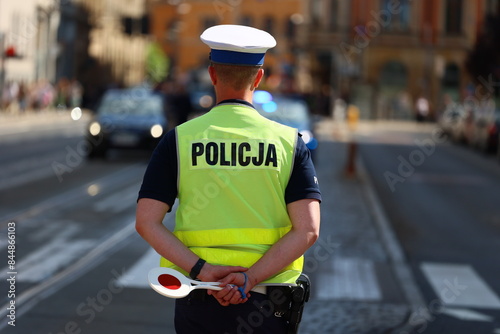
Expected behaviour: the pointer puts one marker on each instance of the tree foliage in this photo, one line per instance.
(484, 60)
(157, 63)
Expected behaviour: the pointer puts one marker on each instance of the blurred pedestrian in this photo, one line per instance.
(75, 93)
(22, 97)
(248, 200)
(422, 109)
(62, 94)
(180, 102)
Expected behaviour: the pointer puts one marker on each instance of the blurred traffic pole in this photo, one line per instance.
(48, 18)
(352, 147)
(2, 64)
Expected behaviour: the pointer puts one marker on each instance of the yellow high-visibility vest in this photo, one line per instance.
(233, 168)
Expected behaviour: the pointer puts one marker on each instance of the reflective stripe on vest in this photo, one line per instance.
(231, 236)
(234, 166)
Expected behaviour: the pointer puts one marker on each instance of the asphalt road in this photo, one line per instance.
(443, 202)
(80, 266)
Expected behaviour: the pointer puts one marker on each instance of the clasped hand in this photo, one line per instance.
(230, 278)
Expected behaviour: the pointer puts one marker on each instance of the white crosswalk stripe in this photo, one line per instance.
(137, 275)
(60, 251)
(349, 279)
(118, 201)
(460, 285)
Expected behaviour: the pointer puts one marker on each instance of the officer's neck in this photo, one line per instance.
(231, 94)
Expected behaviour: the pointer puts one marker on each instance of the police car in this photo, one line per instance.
(287, 110)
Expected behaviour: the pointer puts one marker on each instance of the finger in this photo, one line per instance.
(223, 303)
(236, 299)
(227, 280)
(222, 293)
(232, 295)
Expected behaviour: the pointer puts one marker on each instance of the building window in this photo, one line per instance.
(450, 83)
(269, 25)
(208, 22)
(399, 14)
(493, 7)
(334, 14)
(172, 30)
(394, 74)
(315, 12)
(133, 26)
(290, 29)
(246, 21)
(453, 16)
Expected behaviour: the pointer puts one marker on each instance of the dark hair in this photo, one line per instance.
(239, 77)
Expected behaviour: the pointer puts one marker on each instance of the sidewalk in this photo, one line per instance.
(17, 123)
(356, 267)
(43, 116)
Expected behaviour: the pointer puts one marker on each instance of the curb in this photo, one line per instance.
(398, 261)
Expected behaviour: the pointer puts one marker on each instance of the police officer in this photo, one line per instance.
(248, 198)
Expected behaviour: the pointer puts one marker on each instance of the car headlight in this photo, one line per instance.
(156, 131)
(95, 128)
(76, 114)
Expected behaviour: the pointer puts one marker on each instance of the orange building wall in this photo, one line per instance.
(190, 52)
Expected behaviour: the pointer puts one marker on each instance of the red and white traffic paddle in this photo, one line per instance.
(171, 283)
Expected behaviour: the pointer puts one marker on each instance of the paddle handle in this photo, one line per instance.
(207, 286)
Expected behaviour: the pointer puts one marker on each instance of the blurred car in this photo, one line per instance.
(127, 118)
(487, 133)
(289, 111)
(450, 120)
(201, 91)
(202, 99)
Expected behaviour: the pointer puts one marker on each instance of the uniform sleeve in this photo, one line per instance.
(160, 178)
(303, 183)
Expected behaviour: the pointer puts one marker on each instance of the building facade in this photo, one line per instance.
(385, 54)
(177, 26)
(118, 39)
(21, 30)
(100, 43)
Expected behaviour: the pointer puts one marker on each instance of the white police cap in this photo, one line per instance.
(237, 44)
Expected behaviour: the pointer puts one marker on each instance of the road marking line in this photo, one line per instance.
(51, 259)
(43, 262)
(27, 171)
(466, 315)
(448, 179)
(137, 275)
(401, 269)
(76, 194)
(118, 201)
(350, 279)
(29, 298)
(459, 285)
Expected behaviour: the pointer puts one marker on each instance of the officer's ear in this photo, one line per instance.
(213, 75)
(258, 78)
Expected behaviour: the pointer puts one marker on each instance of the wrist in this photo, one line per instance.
(196, 269)
(252, 280)
(205, 274)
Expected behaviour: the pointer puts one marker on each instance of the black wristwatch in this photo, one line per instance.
(195, 271)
